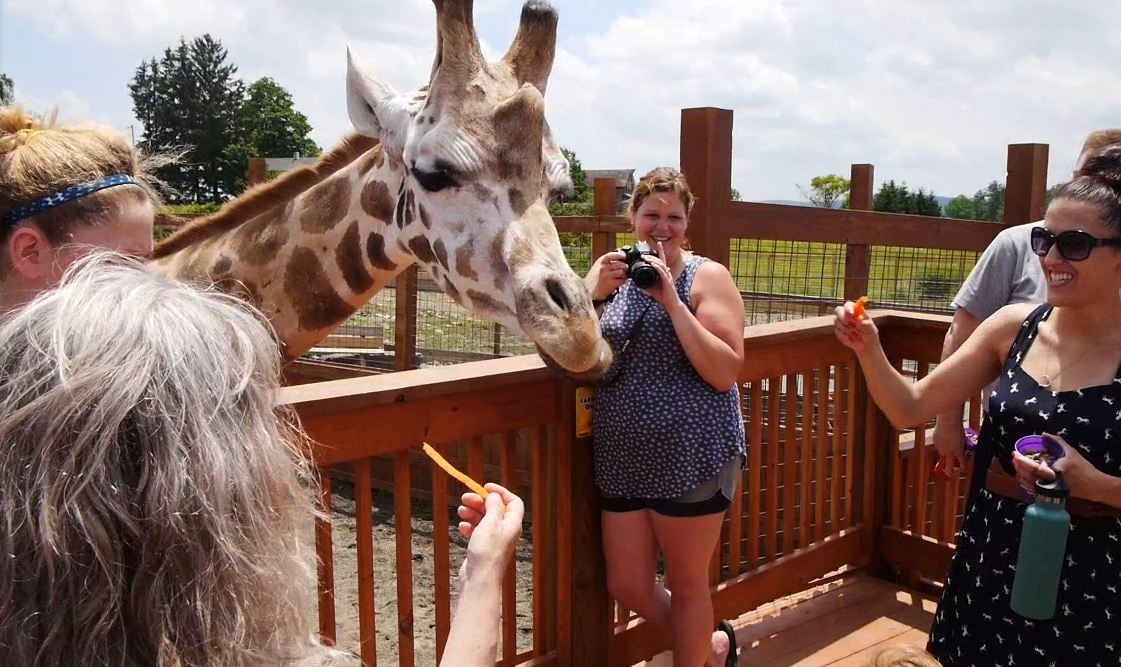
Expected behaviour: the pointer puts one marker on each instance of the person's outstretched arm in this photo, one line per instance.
(955, 380)
(492, 528)
(948, 434)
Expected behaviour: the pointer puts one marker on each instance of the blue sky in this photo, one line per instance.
(929, 92)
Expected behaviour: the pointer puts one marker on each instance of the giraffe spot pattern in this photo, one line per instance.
(308, 288)
(376, 200)
(486, 302)
(463, 262)
(441, 253)
(325, 205)
(221, 268)
(422, 250)
(498, 266)
(424, 219)
(451, 291)
(260, 240)
(375, 250)
(399, 209)
(517, 201)
(371, 160)
(349, 257)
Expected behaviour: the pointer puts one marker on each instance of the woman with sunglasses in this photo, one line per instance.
(1057, 368)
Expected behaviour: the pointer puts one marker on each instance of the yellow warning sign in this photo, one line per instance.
(585, 400)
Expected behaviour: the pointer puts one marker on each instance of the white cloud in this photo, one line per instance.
(930, 93)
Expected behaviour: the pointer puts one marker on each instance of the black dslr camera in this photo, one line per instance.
(638, 269)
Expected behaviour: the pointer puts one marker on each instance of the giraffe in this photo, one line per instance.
(454, 176)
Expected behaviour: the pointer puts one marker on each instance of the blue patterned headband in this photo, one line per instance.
(62, 196)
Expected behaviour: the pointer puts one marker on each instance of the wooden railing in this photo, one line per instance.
(828, 484)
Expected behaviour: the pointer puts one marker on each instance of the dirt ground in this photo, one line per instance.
(385, 580)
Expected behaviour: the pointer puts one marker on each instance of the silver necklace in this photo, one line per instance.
(1046, 379)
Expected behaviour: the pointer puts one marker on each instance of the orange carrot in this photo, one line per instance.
(860, 306)
(453, 471)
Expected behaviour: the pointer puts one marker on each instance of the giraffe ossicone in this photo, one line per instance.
(458, 181)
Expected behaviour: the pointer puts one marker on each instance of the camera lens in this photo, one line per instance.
(643, 274)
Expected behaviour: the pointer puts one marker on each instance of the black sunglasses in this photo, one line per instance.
(1074, 245)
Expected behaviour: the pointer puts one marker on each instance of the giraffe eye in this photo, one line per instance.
(434, 181)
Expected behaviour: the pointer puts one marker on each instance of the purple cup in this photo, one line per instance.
(1038, 444)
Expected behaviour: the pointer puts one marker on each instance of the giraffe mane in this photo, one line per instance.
(266, 196)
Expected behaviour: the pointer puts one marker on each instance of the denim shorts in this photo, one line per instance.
(712, 496)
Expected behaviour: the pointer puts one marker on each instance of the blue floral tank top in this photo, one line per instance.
(660, 430)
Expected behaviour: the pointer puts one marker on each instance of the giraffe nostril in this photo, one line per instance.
(557, 294)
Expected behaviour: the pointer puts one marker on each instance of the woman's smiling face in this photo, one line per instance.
(662, 219)
(1075, 282)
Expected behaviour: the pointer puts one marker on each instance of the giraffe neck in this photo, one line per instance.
(315, 261)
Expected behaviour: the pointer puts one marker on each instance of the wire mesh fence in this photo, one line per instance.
(779, 280)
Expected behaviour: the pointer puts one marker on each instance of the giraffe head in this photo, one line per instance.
(477, 165)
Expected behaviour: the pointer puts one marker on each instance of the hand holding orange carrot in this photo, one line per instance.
(852, 326)
(453, 471)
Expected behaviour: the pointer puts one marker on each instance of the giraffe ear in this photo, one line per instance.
(375, 108)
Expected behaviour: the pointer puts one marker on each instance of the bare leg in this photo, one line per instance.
(631, 552)
(687, 544)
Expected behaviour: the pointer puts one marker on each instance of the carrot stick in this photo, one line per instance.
(860, 306)
(453, 471)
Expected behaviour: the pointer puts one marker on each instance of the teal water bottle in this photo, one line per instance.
(1043, 543)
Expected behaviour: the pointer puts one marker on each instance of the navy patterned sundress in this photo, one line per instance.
(660, 430)
(974, 624)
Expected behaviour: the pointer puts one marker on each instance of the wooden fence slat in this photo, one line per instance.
(441, 556)
(541, 528)
(805, 447)
(735, 529)
(819, 455)
(790, 463)
(774, 394)
(754, 463)
(325, 566)
(364, 536)
(836, 407)
(851, 385)
(403, 518)
(507, 458)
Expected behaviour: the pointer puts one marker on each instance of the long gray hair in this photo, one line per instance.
(154, 506)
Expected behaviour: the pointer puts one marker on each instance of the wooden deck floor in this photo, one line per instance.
(843, 623)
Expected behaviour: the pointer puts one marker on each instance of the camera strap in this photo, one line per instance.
(621, 357)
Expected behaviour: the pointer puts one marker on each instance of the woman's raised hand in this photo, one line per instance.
(856, 331)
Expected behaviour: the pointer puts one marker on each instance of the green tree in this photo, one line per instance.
(988, 202)
(826, 190)
(579, 201)
(6, 92)
(891, 198)
(960, 207)
(897, 198)
(267, 126)
(189, 101)
(736, 195)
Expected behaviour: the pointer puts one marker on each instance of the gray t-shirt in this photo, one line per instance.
(1007, 272)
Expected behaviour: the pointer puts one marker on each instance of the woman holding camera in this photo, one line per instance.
(669, 439)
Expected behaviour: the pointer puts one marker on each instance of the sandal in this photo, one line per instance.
(732, 660)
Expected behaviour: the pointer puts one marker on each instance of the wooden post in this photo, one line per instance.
(404, 323)
(1026, 188)
(858, 257)
(257, 172)
(583, 606)
(706, 160)
(604, 205)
